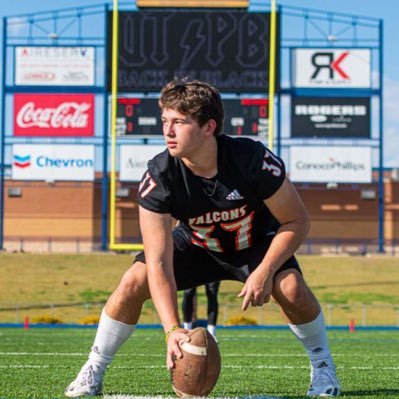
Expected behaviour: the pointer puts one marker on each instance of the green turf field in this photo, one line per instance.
(39, 363)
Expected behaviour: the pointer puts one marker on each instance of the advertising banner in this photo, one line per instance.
(228, 48)
(133, 160)
(330, 117)
(330, 164)
(53, 162)
(331, 68)
(54, 115)
(54, 66)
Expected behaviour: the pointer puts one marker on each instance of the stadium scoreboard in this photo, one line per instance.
(229, 48)
(137, 117)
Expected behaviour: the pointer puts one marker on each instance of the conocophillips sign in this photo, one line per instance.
(53, 162)
(330, 164)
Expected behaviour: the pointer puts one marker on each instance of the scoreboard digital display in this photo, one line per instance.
(137, 117)
(246, 117)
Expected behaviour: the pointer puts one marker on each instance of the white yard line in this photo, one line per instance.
(72, 354)
(267, 367)
(174, 397)
(267, 355)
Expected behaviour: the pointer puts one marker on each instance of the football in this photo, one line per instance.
(196, 373)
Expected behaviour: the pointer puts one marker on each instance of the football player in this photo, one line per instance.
(240, 218)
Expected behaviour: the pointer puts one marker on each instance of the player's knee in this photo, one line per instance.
(134, 283)
(290, 286)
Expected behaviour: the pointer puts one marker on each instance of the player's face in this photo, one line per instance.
(183, 136)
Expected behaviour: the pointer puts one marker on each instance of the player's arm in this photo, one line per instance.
(287, 207)
(156, 230)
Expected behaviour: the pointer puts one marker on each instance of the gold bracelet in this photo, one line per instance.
(172, 329)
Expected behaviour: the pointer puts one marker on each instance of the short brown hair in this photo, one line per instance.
(200, 100)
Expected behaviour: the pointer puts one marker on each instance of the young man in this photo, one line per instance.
(189, 298)
(239, 217)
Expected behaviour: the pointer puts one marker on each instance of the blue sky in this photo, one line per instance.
(384, 9)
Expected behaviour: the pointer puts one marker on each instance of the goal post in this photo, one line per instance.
(113, 245)
(272, 71)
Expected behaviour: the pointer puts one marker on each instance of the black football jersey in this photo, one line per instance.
(224, 214)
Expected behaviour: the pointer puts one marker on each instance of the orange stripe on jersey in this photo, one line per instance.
(147, 185)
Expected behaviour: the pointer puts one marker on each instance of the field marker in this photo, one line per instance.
(135, 367)
(232, 355)
(174, 397)
(29, 366)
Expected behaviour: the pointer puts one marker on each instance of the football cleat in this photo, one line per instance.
(87, 383)
(324, 382)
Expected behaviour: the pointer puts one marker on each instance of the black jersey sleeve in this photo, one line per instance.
(270, 173)
(152, 194)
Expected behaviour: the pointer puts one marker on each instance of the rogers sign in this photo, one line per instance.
(60, 115)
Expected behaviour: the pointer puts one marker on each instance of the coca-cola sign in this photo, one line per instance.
(61, 115)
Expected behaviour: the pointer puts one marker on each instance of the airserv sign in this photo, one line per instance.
(53, 162)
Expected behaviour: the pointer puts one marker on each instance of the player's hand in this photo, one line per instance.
(257, 289)
(173, 347)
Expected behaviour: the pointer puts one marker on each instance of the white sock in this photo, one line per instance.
(188, 325)
(212, 329)
(111, 334)
(313, 337)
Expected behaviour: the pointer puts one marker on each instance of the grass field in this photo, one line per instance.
(39, 363)
(344, 284)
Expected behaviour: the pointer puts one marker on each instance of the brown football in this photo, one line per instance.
(196, 373)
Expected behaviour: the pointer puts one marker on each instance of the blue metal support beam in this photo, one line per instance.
(105, 179)
(381, 197)
(3, 129)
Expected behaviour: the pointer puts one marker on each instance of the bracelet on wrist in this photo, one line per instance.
(171, 330)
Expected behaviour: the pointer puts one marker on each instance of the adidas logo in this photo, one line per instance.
(234, 195)
(316, 350)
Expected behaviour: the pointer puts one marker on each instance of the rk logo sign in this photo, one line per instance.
(332, 68)
(326, 61)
